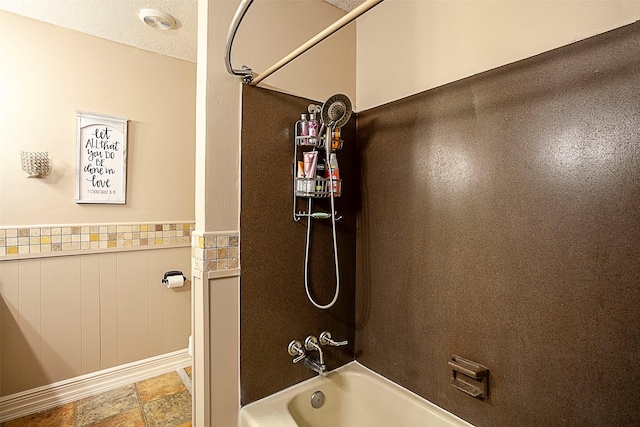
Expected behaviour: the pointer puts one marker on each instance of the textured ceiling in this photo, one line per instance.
(117, 20)
(346, 5)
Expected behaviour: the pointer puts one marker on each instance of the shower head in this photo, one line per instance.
(336, 111)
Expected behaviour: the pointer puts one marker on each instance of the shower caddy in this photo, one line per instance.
(314, 187)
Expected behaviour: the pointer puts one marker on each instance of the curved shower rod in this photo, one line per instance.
(247, 74)
(244, 72)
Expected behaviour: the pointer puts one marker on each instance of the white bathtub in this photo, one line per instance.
(354, 397)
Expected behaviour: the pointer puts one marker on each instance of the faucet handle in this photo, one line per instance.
(325, 339)
(311, 343)
(295, 349)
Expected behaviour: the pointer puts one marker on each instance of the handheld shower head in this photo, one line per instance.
(336, 111)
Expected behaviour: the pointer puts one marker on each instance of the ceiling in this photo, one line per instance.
(117, 20)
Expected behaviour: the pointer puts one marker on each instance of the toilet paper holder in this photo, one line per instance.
(168, 274)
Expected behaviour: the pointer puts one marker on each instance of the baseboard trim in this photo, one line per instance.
(63, 392)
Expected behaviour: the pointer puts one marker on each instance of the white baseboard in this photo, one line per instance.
(63, 392)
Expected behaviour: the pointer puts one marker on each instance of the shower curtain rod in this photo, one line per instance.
(247, 74)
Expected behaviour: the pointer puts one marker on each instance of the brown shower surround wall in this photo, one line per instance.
(501, 222)
(274, 306)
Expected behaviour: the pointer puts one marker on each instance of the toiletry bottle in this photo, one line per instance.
(300, 185)
(335, 139)
(310, 163)
(320, 169)
(302, 130)
(304, 125)
(334, 172)
(313, 128)
(320, 173)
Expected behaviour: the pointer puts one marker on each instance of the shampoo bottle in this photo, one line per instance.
(304, 126)
(313, 127)
(334, 172)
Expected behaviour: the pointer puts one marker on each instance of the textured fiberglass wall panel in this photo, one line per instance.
(274, 306)
(501, 223)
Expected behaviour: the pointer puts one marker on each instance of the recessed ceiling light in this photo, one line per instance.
(156, 19)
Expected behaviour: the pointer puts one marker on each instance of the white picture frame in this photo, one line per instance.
(101, 165)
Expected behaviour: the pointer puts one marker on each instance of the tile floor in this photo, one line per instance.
(163, 401)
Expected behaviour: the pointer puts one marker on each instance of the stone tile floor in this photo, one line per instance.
(163, 401)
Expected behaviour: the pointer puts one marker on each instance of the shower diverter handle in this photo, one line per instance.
(325, 339)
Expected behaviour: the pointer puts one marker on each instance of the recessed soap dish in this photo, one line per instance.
(469, 377)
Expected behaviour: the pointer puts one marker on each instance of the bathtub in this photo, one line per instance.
(354, 396)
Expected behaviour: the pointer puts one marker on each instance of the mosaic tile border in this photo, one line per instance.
(215, 251)
(59, 239)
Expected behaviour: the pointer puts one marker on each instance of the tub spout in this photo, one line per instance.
(317, 367)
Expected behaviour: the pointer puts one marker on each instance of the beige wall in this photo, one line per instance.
(67, 316)
(270, 30)
(324, 70)
(48, 73)
(64, 316)
(406, 47)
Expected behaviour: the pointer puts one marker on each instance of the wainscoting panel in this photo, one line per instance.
(67, 316)
(61, 311)
(108, 311)
(90, 280)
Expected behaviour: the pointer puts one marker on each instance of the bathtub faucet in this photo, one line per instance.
(316, 365)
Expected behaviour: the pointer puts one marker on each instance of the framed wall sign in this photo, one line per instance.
(101, 169)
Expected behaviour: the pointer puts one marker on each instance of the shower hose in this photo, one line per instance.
(333, 233)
